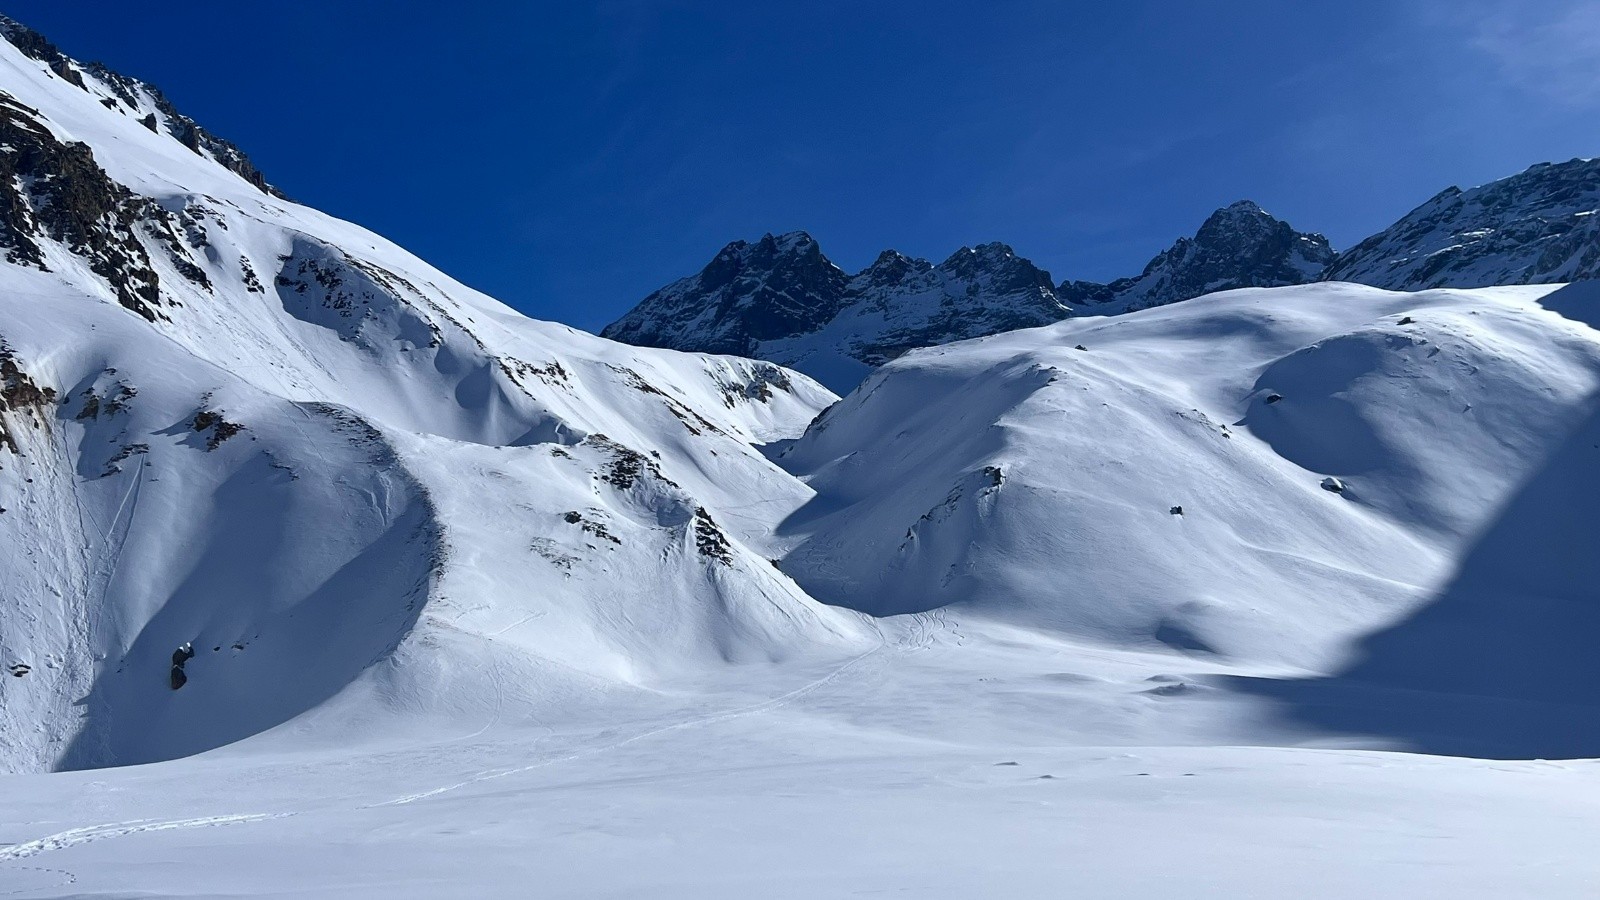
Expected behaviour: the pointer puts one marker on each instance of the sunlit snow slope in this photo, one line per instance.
(1259, 477)
(235, 423)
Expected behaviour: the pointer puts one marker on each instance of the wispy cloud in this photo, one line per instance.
(1546, 48)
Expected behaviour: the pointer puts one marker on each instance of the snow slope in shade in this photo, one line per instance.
(1501, 662)
(1160, 479)
(292, 552)
(307, 452)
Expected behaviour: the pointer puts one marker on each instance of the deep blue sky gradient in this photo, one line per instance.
(569, 158)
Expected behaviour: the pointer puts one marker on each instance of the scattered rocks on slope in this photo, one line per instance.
(759, 386)
(590, 526)
(21, 399)
(180, 658)
(627, 465)
(124, 453)
(709, 539)
(221, 429)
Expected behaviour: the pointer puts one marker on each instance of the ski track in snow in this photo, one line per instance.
(920, 639)
(73, 837)
(65, 878)
(919, 635)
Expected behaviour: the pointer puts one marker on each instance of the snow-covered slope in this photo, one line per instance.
(1535, 227)
(1089, 666)
(235, 423)
(1260, 474)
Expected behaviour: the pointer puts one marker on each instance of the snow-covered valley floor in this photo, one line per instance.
(951, 761)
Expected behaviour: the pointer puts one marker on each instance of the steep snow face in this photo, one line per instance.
(1259, 474)
(236, 426)
(1536, 227)
(1238, 246)
(780, 299)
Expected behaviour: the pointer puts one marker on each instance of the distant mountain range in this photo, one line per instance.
(782, 300)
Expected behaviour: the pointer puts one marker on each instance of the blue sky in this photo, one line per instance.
(569, 158)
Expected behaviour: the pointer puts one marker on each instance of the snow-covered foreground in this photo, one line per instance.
(324, 575)
(945, 764)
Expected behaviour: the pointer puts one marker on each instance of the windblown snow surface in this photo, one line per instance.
(1278, 592)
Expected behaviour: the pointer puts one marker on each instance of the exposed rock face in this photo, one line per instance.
(978, 291)
(1238, 246)
(23, 401)
(750, 293)
(781, 299)
(141, 100)
(1536, 227)
(55, 191)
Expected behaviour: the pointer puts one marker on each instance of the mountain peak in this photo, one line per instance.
(1239, 245)
(779, 286)
(1536, 227)
(773, 298)
(982, 254)
(791, 242)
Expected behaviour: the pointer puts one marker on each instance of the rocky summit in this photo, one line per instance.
(1238, 246)
(750, 293)
(782, 300)
(1535, 227)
